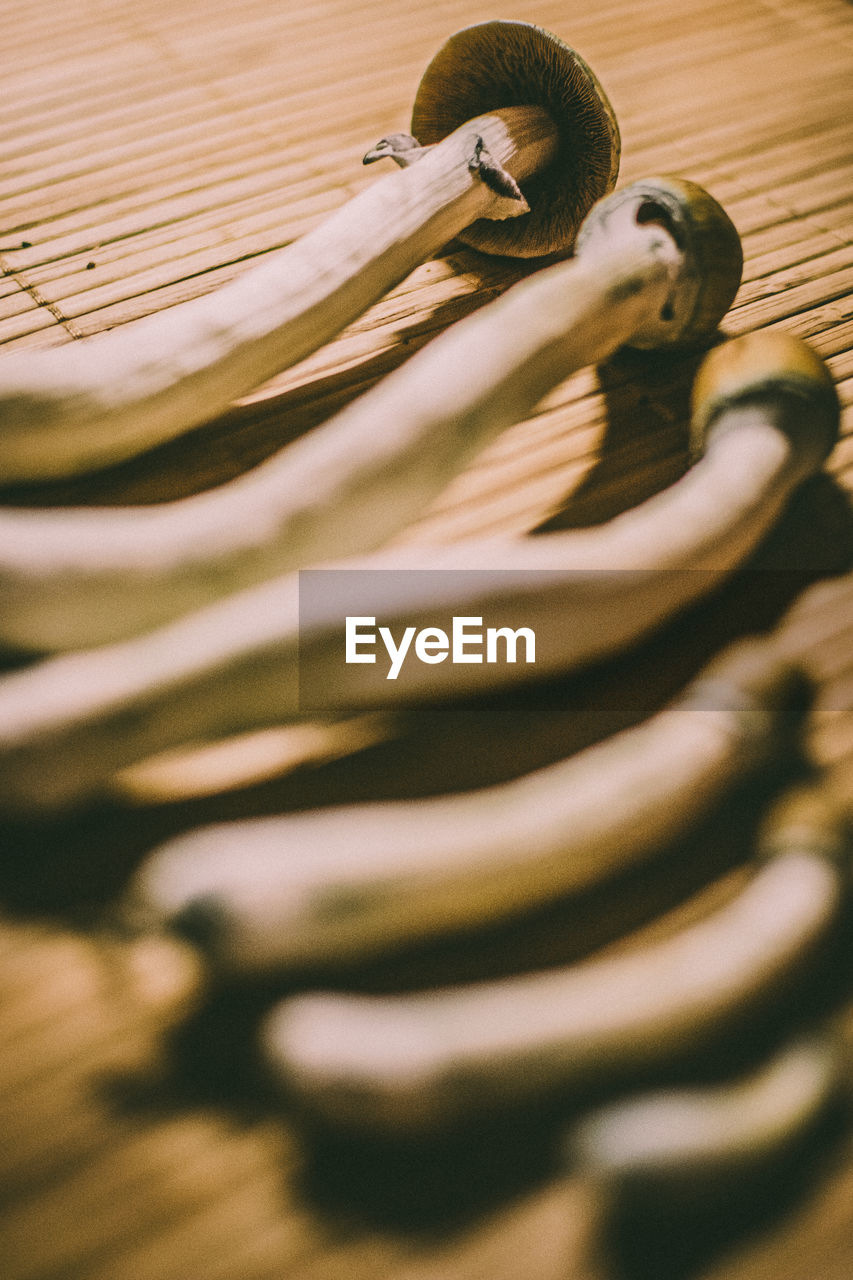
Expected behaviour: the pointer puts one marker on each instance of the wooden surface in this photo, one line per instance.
(149, 152)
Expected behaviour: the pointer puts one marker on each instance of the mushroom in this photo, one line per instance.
(339, 886)
(532, 108)
(767, 411)
(658, 264)
(418, 1062)
(696, 1147)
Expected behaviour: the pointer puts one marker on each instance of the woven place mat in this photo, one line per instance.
(149, 152)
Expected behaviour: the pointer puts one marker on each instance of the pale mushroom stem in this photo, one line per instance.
(78, 578)
(769, 413)
(696, 1146)
(410, 1063)
(343, 885)
(89, 403)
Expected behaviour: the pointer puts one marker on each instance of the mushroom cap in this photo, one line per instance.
(516, 64)
(711, 250)
(773, 370)
(808, 817)
(769, 691)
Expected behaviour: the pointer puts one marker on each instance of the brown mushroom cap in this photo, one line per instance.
(710, 246)
(807, 817)
(755, 680)
(773, 369)
(515, 64)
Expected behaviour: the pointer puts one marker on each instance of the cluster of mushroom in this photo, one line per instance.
(181, 622)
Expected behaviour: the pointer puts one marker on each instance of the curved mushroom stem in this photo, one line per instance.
(84, 405)
(636, 1172)
(70, 722)
(412, 1063)
(683, 1147)
(339, 886)
(81, 406)
(84, 577)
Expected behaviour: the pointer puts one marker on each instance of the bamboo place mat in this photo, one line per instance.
(150, 151)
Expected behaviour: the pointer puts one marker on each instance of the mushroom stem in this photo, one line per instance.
(76, 578)
(685, 1146)
(501, 102)
(340, 886)
(68, 723)
(86, 404)
(412, 1063)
